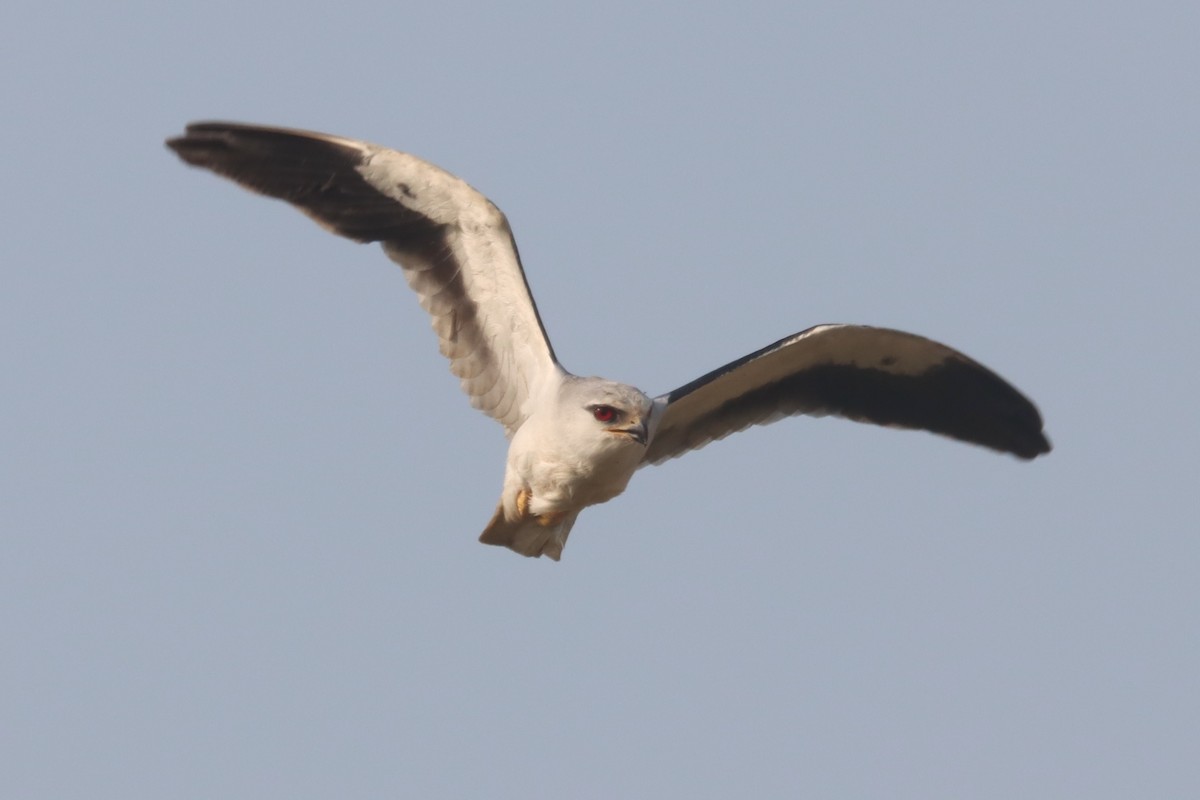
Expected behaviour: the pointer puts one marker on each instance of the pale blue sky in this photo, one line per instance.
(240, 491)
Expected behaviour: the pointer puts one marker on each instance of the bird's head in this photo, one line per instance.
(612, 408)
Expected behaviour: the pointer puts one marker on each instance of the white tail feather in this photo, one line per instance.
(527, 536)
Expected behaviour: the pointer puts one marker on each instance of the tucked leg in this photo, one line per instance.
(524, 496)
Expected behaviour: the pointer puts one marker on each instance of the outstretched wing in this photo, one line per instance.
(866, 374)
(455, 246)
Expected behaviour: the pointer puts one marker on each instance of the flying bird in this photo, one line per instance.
(576, 441)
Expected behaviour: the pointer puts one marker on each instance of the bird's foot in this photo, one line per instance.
(524, 496)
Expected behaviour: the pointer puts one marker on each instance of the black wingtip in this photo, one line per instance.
(200, 141)
(1036, 444)
(1029, 447)
(190, 149)
(215, 135)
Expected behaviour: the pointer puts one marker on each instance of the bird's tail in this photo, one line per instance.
(527, 535)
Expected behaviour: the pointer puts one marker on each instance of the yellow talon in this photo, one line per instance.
(551, 519)
(523, 498)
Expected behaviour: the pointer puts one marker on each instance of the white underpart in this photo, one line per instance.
(563, 457)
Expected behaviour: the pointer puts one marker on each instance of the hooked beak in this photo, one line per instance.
(634, 430)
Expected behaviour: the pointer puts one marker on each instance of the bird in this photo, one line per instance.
(577, 441)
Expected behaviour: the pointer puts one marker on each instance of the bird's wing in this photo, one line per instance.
(455, 246)
(866, 374)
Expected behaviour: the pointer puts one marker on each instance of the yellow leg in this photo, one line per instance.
(545, 520)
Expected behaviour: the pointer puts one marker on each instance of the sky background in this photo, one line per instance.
(240, 491)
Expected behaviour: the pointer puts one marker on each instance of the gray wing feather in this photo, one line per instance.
(455, 246)
(875, 375)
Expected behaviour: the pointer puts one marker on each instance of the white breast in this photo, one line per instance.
(567, 468)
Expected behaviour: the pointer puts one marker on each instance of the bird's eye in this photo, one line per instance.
(604, 413)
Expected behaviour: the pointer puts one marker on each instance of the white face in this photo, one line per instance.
(613, 409)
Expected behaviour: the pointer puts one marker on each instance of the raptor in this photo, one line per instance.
(577, 441)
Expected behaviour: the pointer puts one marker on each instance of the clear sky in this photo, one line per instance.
(240, 491)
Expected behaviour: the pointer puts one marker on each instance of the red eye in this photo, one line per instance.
(604, 413)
